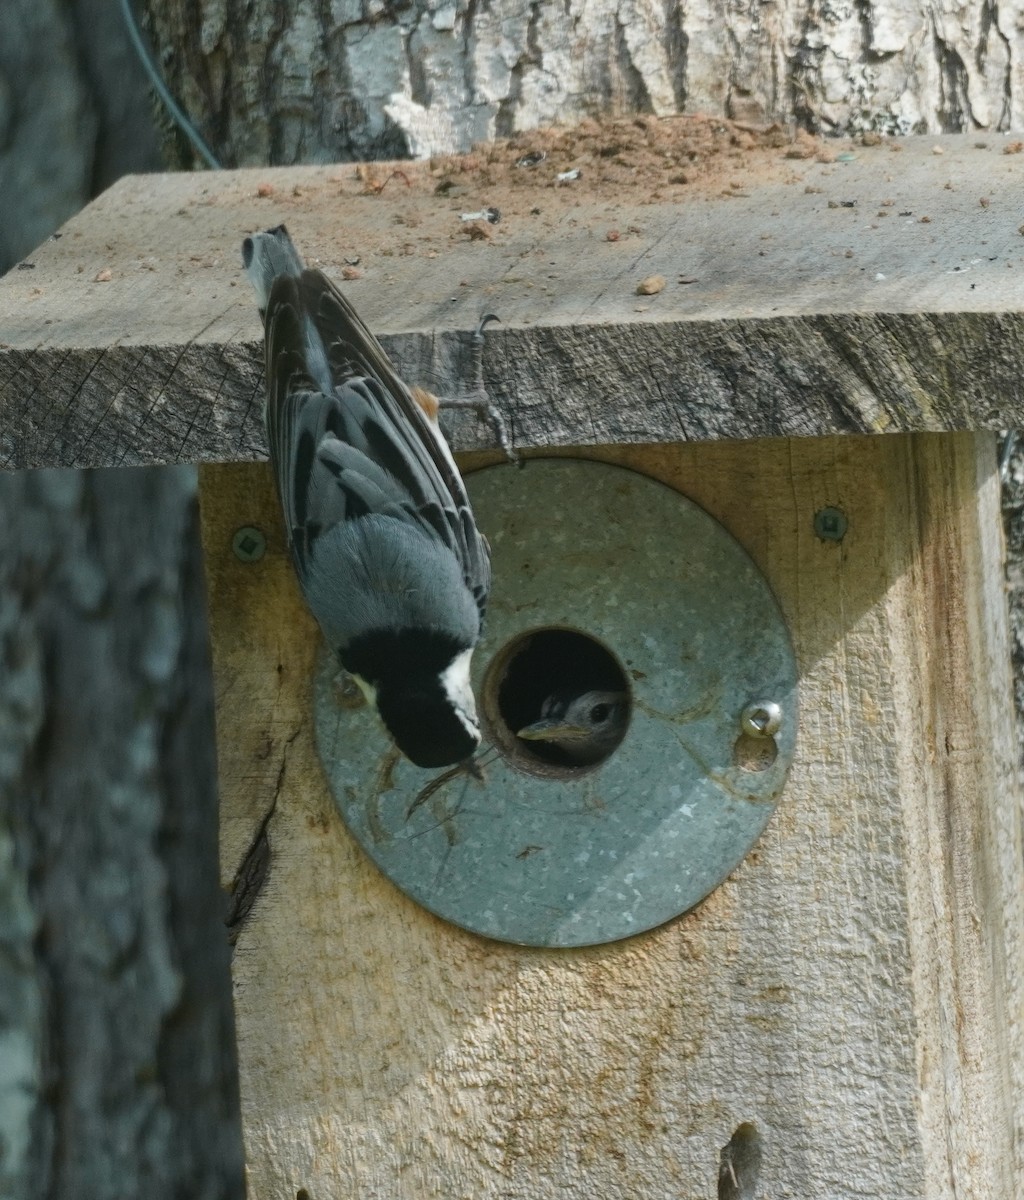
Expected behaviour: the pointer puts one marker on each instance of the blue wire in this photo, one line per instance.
(156, 79)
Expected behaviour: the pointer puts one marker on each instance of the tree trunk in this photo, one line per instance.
(117, 1072)
(118, 1076)
(281, 81)
(74, 115)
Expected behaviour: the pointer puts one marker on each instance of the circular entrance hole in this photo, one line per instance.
(556, 701)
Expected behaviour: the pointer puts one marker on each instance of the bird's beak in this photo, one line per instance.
(552, 731)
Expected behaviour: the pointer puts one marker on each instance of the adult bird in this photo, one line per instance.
(380, 528)
(585, 726)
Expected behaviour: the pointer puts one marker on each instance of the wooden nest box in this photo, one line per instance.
(821, 369)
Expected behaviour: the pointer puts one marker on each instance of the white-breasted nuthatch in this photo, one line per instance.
(585, 726)
(380, 528)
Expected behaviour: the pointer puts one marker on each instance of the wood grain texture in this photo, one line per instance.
(854, 988)
(803, 317)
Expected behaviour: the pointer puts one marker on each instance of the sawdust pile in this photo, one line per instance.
(648, 159)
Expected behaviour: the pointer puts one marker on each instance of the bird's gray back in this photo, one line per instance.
(381, 572)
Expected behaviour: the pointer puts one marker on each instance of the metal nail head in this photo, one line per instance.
(762, 719)
(830, 524)
(248, 545)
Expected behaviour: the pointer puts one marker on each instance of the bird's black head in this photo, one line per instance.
(426, 726)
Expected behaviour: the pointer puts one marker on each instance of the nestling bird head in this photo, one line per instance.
(585, 726)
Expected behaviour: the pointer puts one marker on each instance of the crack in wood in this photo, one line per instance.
(254, 868)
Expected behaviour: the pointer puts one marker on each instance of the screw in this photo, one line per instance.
(761, 719)
(249, 544)
(830, 524)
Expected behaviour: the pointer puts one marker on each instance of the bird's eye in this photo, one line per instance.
(600, 712)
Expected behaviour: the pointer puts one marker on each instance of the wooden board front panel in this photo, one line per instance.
(854, 988)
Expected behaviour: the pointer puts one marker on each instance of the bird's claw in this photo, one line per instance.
(485, 320)
(471, 766)
(488, 409)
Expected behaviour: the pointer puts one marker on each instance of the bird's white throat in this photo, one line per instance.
(457, 687)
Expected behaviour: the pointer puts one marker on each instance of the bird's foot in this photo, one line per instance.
(471, 767)
(476, 396)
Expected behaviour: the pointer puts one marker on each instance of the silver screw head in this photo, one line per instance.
(248, 544)
(762, 719)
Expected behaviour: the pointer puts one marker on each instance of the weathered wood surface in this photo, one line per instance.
(855, 988)
(801, 318)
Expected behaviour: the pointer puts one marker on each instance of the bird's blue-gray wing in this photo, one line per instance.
(347, 435)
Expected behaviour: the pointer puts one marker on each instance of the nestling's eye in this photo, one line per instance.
(600, 712)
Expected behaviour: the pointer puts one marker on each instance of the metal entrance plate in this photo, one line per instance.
(555, 856)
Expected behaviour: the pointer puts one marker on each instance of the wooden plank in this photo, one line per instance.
(875, 295)
(854, 988)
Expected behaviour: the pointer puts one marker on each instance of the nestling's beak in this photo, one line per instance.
(550, 730)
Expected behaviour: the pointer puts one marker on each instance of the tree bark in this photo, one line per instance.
(286, 81)
(118, 1070)
(74, 115)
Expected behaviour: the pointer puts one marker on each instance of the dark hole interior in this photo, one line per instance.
(547, 662)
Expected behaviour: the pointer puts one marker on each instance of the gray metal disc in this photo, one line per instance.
(622, 847)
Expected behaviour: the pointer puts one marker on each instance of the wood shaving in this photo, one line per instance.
(651, 286)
